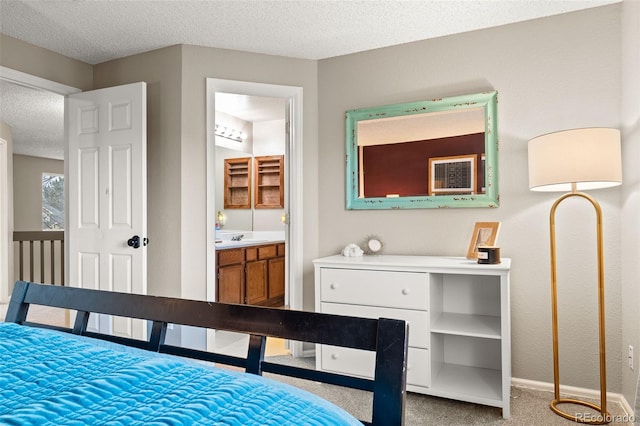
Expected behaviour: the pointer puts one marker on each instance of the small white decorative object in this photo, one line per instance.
(373, 245)
(352, 250)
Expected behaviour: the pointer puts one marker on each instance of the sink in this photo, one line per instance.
(241, 243)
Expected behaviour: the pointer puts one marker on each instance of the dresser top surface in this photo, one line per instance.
(427, 262)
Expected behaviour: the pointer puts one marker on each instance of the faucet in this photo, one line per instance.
(237, 237)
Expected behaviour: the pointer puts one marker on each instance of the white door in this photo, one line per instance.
(105, 168)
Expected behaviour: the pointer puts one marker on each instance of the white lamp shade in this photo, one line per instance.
(589, 157)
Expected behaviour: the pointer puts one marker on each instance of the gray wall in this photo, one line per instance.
(551, 74)
(198, 64)
(161, 70)
(631, 198)
(30, 59)
(27, 187)
(176, 79)
(25, 57)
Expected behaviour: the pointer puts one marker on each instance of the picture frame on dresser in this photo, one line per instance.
(484, 234)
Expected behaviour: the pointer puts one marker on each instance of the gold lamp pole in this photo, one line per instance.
(590, 159)
(604, 415)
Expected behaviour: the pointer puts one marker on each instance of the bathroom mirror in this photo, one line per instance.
(428, 154)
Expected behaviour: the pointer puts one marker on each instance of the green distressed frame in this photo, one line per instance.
(491, 197)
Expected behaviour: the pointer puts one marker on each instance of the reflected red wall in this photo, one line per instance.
(403, 168)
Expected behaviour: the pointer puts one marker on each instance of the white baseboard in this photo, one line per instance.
(573, 391)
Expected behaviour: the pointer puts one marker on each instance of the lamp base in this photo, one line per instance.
(602, 419)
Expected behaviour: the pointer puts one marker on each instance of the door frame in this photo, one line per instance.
(293, 185)
(34, 82)
(6, 253)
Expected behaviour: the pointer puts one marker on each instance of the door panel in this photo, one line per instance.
(121, 183)
(106, 184)
(88, 180)
(89, 265)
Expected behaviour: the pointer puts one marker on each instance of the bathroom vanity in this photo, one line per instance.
(458, 315)
(250, 272)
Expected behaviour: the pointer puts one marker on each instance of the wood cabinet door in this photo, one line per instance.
(231, 284)
(256, 282)
(276, 277)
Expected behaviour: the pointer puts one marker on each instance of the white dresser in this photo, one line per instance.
(458, 315)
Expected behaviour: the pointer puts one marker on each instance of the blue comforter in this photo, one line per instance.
(52, 378)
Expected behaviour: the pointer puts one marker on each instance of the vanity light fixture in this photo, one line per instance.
(230, 133)
(577, 160)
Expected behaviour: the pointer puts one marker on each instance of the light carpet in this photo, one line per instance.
(528, 407)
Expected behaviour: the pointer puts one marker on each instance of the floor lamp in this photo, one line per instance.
(574, 161)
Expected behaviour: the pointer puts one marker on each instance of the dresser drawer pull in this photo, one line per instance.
(333, 286)
(334, 356)
(405, 291)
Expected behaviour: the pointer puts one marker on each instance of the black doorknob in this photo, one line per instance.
(134, 242)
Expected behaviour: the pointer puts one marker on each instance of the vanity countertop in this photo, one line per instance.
(249, 238)
(223, 245)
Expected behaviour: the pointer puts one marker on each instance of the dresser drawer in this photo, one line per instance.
(360, 363)
(407, 290)
(418, 320)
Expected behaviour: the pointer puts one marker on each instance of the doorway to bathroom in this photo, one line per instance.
(255, 121)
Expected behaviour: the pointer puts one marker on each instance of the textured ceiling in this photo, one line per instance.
(36, 119)
(98, 31)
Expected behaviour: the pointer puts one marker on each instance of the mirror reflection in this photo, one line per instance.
(249, 166)
(438, 153)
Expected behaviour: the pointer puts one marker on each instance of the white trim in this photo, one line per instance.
(6, 244)
(27, 80)
(573, 391)
(293, 203)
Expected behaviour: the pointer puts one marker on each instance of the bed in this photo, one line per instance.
(54, 375)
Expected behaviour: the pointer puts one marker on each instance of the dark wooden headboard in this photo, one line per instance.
(386, 337)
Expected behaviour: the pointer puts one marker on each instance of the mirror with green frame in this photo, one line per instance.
(426, 154)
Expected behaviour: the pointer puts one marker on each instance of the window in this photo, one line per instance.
(52, 201)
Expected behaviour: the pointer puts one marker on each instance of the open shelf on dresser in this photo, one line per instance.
(481, 385)
(487, 326)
